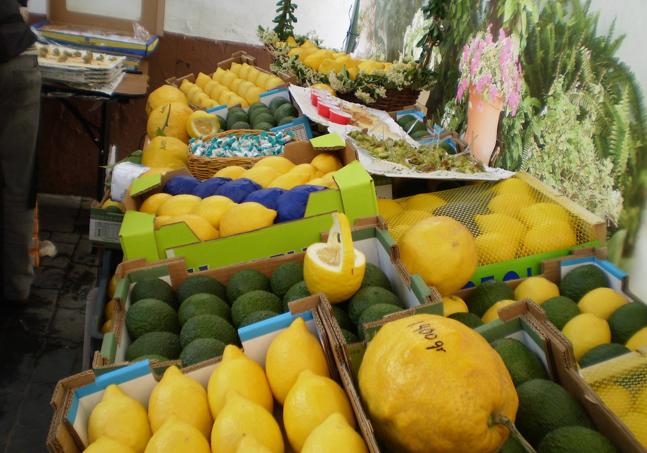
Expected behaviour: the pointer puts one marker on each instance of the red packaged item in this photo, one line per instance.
(339, 117)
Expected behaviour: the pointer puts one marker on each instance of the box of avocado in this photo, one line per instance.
(299, 335)
(245, 295)
(355, 196)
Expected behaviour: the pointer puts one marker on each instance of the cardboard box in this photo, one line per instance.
(370, 238)
(105, 225)
(355, 197)
(527, 323)
(75, 397)
(102, 33)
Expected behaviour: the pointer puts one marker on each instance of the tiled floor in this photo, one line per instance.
(44, 341)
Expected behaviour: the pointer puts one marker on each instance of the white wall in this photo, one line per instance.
(235, 20)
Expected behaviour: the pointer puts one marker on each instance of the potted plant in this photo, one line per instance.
(490, 73)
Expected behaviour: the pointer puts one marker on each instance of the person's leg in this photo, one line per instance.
(20, 85)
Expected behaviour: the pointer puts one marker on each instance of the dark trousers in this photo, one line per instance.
(20, 85)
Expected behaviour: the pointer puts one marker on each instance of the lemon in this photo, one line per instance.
(512, 185)
(204, 102)
(586, 331)
(325, 87)
(510, 203)
(193, 94)
(232, 172)
(492, 313)
(250, 445)
(637, 424)
(278, 163)
(333, 436)
(215, 91)
(549, 236)
(201, 123)
(107, 445)
(640, 403)
(202, 79)
(119, 417)
(109, 309)
(180, 396)
(185, 86)
(169, 120)
(405, 407)
(107, 326)
(263, 176)
(398, 231)
(152, 203)
(453, 304)
(240, 418)
(326, 162)
(292, 351)
(442, 251)
(253, 95)
(252, 74)
(616, 397)
(164, 95)
(495, 248)
(424, 202)
(537, 289)
(310, 401)
(245, 217)
(602, 302)
(292, 179)
(162, 220)
(200, 226)
(408, 217)
(112, 286)
(177, 436)
(238, 372)
(314, 60)
(291, 42)
(388, 208)
(243, 87)
(178, 205)
(638, 340)
(539, 212)
(212, 208)
(235, 85)
(228, 78)
(165, 152)
(334, 268)
(502, 224)
(261, 80)
(219, 75)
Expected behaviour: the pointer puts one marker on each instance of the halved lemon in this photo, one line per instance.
(201, 123)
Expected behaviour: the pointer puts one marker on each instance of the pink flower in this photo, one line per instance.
(493, 92)
(462, 86)
(482, 82)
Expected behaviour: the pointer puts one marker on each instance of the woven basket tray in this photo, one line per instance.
(394, 100)
(204, 167)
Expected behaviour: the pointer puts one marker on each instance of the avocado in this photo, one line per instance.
(263, 126)
(406, 121)
(264, 109)
(417, 135)
(342, 318)
(370, 295)
(626, 321)
(581, 280)
(233, 119)
(375, 313)
(235, 109)
(285, 276)
(511, 445)
(286, 119)
(419, 126)
(201, 349)
(150, 315)
(203, 304)
(263, 117)
(296, 292)
(349, 336)
(469, 319)
(236, 114)
(277, 102)
(575, 438)
(195, 284)
(254, 301)
(166, 344)
(521, 363)
(285, 110)
(158, 358)
(245, 281)
(255, 106)
(373, 276)
(240, 125)
(153, 289)
(207, 326)
(601, 353)
(257, 316)
(559, 310)
(488, 294)
(545, 406)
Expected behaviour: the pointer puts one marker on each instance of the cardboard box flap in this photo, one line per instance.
(357, 190)
(140, 225)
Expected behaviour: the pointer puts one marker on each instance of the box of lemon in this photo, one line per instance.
(281, 205)
(282, 380)
(164, 308)
(515, 371)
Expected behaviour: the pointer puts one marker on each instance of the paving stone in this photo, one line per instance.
(86, 203)
(55, 362)
(58, 201)
(27, 439)
(67, 325)
(85, 254)
(35, 410)
(76, 299)
(63, 248)
(49, 278)
(58, 262)
(70, 238)
(44, 235)
(47, 296)
(36, 317)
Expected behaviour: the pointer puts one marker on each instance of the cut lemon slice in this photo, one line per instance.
(201, 123)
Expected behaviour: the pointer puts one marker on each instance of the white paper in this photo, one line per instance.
(123, 174)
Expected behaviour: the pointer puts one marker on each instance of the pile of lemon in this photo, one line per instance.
(218, 216)
(234, 414)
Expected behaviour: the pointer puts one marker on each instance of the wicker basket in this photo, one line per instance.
(204, 167)
(394, 99)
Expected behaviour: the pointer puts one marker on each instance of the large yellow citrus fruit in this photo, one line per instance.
(169, 120)
(245, 217)
(178, 205)
(423, 202)
(334, 435)
(278, 163)
(201, 123)
(495, 248)
(326, 162)
(388, 208)
(456, 411)
(152, 203)
(164, 95)
(231, 172)
(549, 236)
(165, 152)
(212, 208)
(540, 212)
(500, 224)
(200, 226)
(442, 251)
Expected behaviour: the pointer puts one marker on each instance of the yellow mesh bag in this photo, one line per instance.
(514, 218)
(621, 383)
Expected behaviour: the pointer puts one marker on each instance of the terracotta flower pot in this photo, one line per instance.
(482, 124)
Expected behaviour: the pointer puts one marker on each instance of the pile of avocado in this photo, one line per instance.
(549, 417)
(260, 116)
(417, 131)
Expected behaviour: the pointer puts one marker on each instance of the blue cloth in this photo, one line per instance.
(266, 197)
(238, 189)
(209, 187)
(292, 204)
(180, 185)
